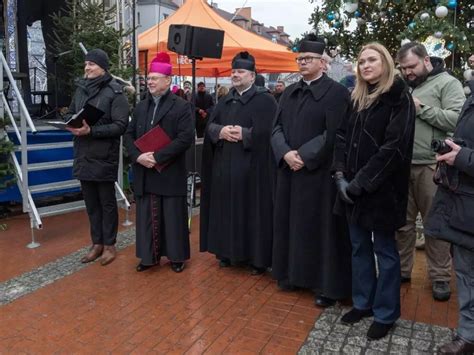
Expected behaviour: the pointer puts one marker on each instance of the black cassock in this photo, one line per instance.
(162, 228)
(311, 245)
(236, 200)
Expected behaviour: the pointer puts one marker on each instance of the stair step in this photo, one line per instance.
(61, 208)
(50, 165)
(54, 186)
(42, 146)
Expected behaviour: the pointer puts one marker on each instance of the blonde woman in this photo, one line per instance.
(371, 169)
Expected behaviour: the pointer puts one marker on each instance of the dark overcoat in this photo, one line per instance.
(451, 215)
(236, 194)
(96, 155)
(374, 147)
(311, 245)
(174, 115)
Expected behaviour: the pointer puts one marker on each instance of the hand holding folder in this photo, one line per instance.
(89, 113)
(153, 141)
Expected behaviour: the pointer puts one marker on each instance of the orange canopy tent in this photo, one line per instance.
(270, 57)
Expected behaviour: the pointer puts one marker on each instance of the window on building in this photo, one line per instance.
(138, 19)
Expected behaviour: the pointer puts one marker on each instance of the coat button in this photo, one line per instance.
(355, 145)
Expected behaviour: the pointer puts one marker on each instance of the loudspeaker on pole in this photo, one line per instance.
(193, 41)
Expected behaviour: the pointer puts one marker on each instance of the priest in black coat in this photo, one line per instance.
(237, 174)
(162, 221)
(311, 246)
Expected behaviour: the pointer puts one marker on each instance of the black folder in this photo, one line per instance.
(89, 113)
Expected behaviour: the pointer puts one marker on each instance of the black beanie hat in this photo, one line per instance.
(244, 60)
(99, 57)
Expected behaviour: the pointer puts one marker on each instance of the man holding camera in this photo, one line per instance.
(438, 99)
(451, 219)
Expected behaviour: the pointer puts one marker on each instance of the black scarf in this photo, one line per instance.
(94, 85)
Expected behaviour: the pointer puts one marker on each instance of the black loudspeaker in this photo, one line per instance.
(195, 41)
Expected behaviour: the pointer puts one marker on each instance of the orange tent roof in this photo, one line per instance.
(270, 57)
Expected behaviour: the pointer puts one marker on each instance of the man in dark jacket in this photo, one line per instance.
(96, 152)
(204, 105)
(451, 219)
(279, 88)
(311, 246)
(236, 195)
(162, 228)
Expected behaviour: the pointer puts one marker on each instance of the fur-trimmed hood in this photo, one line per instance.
(394, 96)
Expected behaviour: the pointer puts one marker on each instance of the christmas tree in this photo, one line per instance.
(7, 172)
(91, 23)
(349, 24)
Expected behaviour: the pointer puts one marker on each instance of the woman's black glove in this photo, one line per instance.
(342, 184)
(354, 188)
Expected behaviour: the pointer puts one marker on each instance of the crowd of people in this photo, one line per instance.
(318, 184)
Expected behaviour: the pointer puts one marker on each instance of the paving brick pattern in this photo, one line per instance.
(407, 337)
(44, 275)
(51, 303)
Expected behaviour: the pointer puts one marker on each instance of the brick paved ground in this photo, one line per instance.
(49, 302)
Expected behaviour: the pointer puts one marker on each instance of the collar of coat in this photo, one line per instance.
(318, 88)
(396, 93)
(166, 102)
(246, 96)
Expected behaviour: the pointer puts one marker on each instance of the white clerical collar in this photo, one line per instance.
(308, 82)
(244, 91)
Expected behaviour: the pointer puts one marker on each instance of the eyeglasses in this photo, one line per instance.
(308, 59)
(155, 78)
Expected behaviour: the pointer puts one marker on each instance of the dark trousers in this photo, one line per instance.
(101, 206)
(380, 293)
(464, 268)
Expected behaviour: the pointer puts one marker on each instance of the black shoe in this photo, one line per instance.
(284, 285)
(378, 330)
(224, 263)
(355, 315)
(323, 301)
(405, 280)
(177, 267)
(256, 270)
(140, 267)
(458, 346)
(441, 290)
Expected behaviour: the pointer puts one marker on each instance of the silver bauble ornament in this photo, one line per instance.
(441, 11)
(424, 16)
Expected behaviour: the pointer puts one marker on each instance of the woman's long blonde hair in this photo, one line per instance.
(360, 95)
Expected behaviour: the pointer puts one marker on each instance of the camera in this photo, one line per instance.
(439, 145)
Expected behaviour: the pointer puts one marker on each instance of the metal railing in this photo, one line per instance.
(21, 134)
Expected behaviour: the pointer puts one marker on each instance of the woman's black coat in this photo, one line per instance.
(174, 115)
(451, 215)
(96, 155)
(374, 147)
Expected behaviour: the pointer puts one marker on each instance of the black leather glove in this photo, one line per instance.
(342, 184)
(354, 188)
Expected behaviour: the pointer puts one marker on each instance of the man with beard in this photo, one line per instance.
(237, 174)
(279, 88)
(438, 99)
(311, 246)
(204, 104)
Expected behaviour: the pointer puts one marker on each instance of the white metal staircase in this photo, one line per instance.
(22, 168)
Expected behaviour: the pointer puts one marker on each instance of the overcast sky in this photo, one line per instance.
(293, 14)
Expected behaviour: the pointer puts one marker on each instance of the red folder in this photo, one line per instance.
(153, 141)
